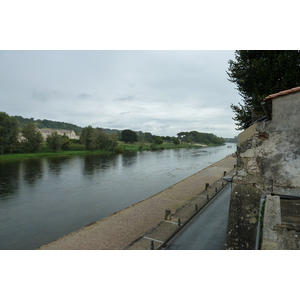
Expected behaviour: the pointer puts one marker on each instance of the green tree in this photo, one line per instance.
(168, 138)
(128, 135)
(176, 141)
(200, 137)
(148, 137)
(142, 140)
(87, 138)
(158, 140)
(113, 140)
(8, 132)
(66, 143)
(103, 140)
(259, 73)
(33, 137)
(54, 141)
(14, 137)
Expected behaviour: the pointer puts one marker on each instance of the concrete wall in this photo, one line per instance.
(276, 234)
(268, 161)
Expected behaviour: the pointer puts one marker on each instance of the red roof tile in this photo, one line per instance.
(296, 89)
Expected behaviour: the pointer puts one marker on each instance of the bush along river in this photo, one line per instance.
(43, 199)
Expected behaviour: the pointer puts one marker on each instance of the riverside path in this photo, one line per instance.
(207, 230)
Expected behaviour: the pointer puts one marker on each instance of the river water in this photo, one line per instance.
(45, 198)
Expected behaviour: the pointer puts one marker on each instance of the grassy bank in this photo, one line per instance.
(6, 157)
(46, 152)
(149, 146)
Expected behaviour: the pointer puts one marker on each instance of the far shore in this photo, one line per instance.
(130, 147)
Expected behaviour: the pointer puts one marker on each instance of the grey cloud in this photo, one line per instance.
(162, 92)
(44, 96)
(83, 96)
(126, 98)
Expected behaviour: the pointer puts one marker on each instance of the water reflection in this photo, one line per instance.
(94, 163)
(31, 170)
(55, 164)
(9, 178)
(129, 159)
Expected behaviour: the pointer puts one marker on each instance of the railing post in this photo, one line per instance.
(152, 245)
(167, 214)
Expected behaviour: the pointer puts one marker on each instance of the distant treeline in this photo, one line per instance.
(231, 140)
(60, 125)
(20, 135)
(48, 124)
(189, 137)
(200, 138)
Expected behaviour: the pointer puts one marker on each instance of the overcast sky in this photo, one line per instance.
(162, 92)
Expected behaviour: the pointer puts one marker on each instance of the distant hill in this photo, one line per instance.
(61, 125)
(58, 125)
(48, 124)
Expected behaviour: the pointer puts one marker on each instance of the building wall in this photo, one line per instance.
(69, 133)
(268, 161)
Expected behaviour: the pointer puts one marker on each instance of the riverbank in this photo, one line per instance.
(122, 229)
(131, 147)
(17, 156)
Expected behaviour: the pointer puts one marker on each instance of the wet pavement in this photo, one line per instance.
(207, 230)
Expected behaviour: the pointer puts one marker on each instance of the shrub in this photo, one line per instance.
(153, 147)
(119, 149)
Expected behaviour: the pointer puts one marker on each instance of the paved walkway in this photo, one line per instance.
(120, 230)
(207, 231)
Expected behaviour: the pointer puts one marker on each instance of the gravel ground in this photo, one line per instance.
(122, 228)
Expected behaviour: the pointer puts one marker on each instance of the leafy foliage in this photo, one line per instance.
(128, 135)
(86, 138)
(8, 132)
(200, 138)
(119, 149)
(158, 140)
(259, 73)
(176, 141)
(103, 140)
(66, 143)
(96, 138)
(54, 141)
(33, 137)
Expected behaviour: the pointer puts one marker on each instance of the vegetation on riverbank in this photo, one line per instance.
(6, 157)
(124, 148)
(29, 141)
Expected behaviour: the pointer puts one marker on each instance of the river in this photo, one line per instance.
(45, 198)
